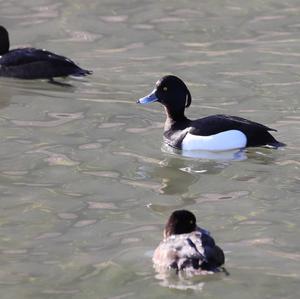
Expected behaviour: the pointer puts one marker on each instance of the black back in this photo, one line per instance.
(256, 133)
(31, 63)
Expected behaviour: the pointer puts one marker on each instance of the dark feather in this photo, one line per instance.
(31, 63)
(256, 133)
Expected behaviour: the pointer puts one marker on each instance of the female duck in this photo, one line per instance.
(187, 248)
(31, 63)
(212, 133)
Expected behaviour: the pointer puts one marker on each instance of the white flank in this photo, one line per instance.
(224, 141)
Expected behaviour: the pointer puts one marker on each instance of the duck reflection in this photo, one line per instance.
(5, 96)
(230, 155)
(177, 175)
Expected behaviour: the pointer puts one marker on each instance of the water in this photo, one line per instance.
(85, 185)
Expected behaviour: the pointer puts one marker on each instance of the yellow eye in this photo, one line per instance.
(165, 88)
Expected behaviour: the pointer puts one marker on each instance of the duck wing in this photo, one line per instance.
(256, 133)
(214, 124)
(31, 63)
(29, 55)
(191, 252)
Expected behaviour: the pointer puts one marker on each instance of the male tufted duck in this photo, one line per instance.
(31, 63)
(187, 248)
(212, 133)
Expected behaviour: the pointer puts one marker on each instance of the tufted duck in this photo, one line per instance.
(187, 248)
(212, 133)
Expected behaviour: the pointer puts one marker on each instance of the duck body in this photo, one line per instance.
(187, 248)
(194, 253)
(217, 133)
(212, 133)
(32, 63)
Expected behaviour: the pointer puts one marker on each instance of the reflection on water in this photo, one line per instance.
(234, 155)
(5, 97)
(85, 187)
(180, 282)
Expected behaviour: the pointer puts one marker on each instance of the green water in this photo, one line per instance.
(85, 185)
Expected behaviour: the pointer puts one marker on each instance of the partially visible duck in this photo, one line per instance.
(187, 248)
(212, 133)
(32, 63)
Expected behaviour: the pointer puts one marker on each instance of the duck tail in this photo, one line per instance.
(275, 144)
(271, 142)
(81, 73)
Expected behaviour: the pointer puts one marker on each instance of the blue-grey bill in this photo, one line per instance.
(148, 99)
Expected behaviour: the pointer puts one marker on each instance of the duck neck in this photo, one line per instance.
(4, 45)
(176, 122)
(175, 116)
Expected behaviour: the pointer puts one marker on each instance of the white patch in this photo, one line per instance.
(224, 141)
(232, 155)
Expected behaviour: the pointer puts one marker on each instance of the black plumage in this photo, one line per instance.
(32, 63)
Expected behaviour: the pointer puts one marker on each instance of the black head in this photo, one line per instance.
(180, 222)
(172, 93)
(4, 41)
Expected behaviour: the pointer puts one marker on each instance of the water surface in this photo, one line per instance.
(85, 185)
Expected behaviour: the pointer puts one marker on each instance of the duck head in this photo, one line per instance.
(180, 222)
(4, 41)
(171, 92)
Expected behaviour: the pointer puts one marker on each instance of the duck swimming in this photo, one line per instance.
(212, 133)
(187, 248)
(32, 63)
